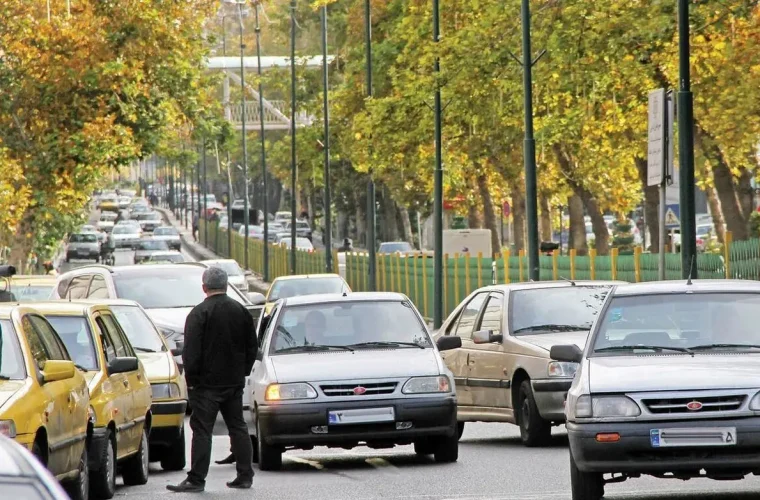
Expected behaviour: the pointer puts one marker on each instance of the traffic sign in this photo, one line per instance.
(673, 216)
(656, 150)
(506, 209)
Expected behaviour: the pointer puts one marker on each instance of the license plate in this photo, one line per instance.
(361, 416)
(82, 252)
(701, 436)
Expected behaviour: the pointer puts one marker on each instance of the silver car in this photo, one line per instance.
(170, 235)
(668, 385)
(349, 370)
(235, 274)
(83, 246)
(126, 236)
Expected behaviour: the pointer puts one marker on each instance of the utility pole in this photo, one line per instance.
(229, 207)
(371, 217)
(293, 165)
(438, 188)
(265, 204)
(686, 147)
(327, 236)
(531, 194)
(246, 208)
(198, 171)
(205, 197)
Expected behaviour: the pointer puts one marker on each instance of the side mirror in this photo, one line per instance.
(58, 370)
(256, 298)
(569, 353)
(447, 343)
(486, 337)
(177, 351)
(122, 365)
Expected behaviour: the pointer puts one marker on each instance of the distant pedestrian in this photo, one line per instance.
(196, 221)
(347, 246)
(220, 349)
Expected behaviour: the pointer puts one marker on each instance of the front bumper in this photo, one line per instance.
(634, 453)
(550, 396)
(167, 423)
(290, 424)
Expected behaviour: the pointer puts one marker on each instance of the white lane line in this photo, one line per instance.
(304, 461)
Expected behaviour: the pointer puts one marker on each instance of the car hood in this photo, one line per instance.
(678, 372)
(157, 365)
(357, 365)
(173, 319)
(547, 340)
(8, 388)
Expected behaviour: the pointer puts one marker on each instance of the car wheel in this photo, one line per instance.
(103, 481)
(424, 446)
(534, 430)
(38, 454)
(446, 448)
(585, 485)
(270, 457)
(79, 489)
(174, 456)
(135, 469)
(460, 429)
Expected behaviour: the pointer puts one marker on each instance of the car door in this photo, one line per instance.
(257, 312)
(489, 368)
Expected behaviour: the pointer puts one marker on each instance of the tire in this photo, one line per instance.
(534, 430)
(79, 489)
(135, 468)
(38, 453)
(585, 485)
(424, 447)
(446, 449)
(174, 456)
(103, 481)
(460, 429)
(255, 445)
(270, 457)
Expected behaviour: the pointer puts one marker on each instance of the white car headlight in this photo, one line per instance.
(283, 392)
(427, 385)
(562, 369)
(165, 391)
(605, 406)
(167, 332)
(8, 428)
(754, 403)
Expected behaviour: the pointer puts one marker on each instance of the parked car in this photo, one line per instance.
(503, 371)
(126, 236)
(23, 477)
(120, 394)
(304, 284)
(147, 247)
(668, 385)
(170, 235)
(83, 246)
(383, 383)
(235, 274)
(44, 401)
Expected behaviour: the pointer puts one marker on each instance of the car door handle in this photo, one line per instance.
(126, 383)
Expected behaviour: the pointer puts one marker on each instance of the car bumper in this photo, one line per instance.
(634, 452)
(82, 254)
(126, 243)
(98, 442)
(168, 420)
(290, 425)
(550, 398)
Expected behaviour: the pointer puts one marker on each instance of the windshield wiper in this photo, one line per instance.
(81, 368)
(320, 347)
(643, 347)
(142, 349)
(552, 328)
(705, 347)
(387, 344)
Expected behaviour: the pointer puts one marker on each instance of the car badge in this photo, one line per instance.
(694, 406)
(358, 391)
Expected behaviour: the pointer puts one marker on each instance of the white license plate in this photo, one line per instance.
(700, 436)
(361, 416)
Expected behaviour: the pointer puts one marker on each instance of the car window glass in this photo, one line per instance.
(451, 327)
(78, 287)
(11, 357)
(75, 333)
(39, 352)
(491, 318)
(98, 289)
(108, 347)
(114, 336)
(123, 339)
(49, 338)
(469, 314)
(62, 286)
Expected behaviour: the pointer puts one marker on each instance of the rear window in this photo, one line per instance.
(153, 245)
(165, 231)
(83, 238)
(283, 289)
(165, 288)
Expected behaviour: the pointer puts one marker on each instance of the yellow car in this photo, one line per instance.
(44, 402)
(167, 431)
(120, 393)
(32, 288)
(304, 284)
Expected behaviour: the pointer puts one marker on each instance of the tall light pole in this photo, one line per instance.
(205, 196)
(686, 147)
(438, 188)
(327, 237)
(246, 209)
(265, 204)
(371, 217)
(293, 166)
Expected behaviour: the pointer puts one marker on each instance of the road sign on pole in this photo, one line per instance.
(673, 217)
(656, 138)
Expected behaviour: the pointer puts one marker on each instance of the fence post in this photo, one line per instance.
(637, 263)
(520, 257)
(572, 263)
(555, 264)
(493, 268)
(480, 269)
(456, 278)
(424, 290)
(349, 275)
(505, 260)
(417, 283)
(406, 274)
(613, 262)
(729, 238)
(400, 287)
(445, 284)
(592, 262)
(467, 273)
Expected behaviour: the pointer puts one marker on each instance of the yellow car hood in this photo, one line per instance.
(158, 366)
(8, 388)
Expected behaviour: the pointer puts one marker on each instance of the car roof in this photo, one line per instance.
(328, 298)
(530, 285)
(217, 261)
(129, 270)
(35, 279)
(68, 308)
(307, 276)
(6, 308)
(685, 286)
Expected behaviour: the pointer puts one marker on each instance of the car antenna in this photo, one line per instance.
(691, 269)
(568, 280)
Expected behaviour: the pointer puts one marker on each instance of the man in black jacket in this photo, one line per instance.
(219, 352)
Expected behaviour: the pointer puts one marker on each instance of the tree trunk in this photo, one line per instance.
(651, 207)
(598, 224)
(577, 231)
(518, 216)
(21, 246)
(389, 229)
(745, 193)
(546, 218)
(717, 214)
(406, 224)
(361, 223)
(489, 214)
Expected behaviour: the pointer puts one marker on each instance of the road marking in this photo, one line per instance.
(382, 464)
(304, 461)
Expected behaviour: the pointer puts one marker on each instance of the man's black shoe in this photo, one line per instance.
(240, 484)
(227, 461)
(186, 487)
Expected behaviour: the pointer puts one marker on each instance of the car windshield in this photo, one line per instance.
(149, 216)
(165, 231)
(33, 293)
(77, 337)
(352, 324)
(694, 321)
(549, 310)
(140, 331)
(165, 288)
(11, 359)
(302, 225)
(83, 238)
(395, 247)
(123, 229)
(230, 267)
(282, 289)
(153, 245)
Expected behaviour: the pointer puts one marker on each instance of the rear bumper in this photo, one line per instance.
(82, 254)
(634, 452)
(290, 425)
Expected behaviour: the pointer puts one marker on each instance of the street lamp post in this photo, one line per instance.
(438, 181)
(371, 217)
(265, 204)
(293, 165)
(327, 237)
(246, 208)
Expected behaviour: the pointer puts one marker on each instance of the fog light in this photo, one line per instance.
(319, 429)
(608, 437)
(401, 426)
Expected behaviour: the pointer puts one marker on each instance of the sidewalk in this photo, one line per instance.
(199, 252)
